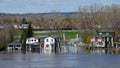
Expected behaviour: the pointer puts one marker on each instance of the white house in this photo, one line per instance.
(16, 26)
(49, 43)
(32, 43)
(32, 40)
(101, 41)
(23, 26)
(52, 43)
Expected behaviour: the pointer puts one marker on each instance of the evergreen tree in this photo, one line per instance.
(24, 21)
(29, 31)
(26, 34)
(23, 39)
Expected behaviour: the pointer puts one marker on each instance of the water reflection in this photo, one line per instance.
(48, 51)
(104, 51)
(73, 49)
(84, 50)
(70, 49)
(68, 57)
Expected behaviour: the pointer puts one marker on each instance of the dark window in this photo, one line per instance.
(100, 43)
(10, 45)
(18, 45)
(47, 40)
(28, 40)
(51, 40)
(47, 45)
(35, 46)
(52, 45)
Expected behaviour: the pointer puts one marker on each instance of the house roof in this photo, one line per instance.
(106, 31)
(16, 42)
(102, 35)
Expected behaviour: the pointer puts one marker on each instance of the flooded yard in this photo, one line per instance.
(68, 57)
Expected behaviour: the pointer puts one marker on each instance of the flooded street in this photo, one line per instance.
(68, 57)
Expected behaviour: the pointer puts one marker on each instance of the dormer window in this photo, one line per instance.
(107, 33)
(28, 40)
(100, 33)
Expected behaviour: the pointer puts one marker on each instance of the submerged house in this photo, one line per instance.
(32, 43)
(103, 39)
(51, 43)
(76, 41)
(15, 45)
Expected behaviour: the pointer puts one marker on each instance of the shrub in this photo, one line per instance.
(1, 47)
(117, 33)
(88, 39)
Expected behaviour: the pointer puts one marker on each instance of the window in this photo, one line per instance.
(10, 45)
(100, 33)
(51, 40)
(47, 45)
(100, 43)
(28, 40)
(18, 45)
(52, 45)
(107, 33)
(46, 40)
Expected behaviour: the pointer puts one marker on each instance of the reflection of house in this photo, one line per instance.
(51, 42)
(15, 45)
(103, 39)
(32, 43)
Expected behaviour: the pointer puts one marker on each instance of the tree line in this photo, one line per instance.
(93, 17)
(88, 17)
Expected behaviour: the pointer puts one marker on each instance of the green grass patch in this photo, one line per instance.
(70, 34)
(19, 31)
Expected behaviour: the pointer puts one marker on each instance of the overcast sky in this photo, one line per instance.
(43, 6)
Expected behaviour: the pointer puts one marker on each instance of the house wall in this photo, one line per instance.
(100, 42)
(97, 42)
(49, 43)
(14, 47)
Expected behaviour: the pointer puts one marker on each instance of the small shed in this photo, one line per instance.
(76, 41)
(15, 45)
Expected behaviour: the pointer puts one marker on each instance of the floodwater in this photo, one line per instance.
(68, 57)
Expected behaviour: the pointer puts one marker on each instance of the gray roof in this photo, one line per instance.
(16, 42)
(102, 36)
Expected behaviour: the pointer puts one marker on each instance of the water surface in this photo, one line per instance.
(68, 57)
